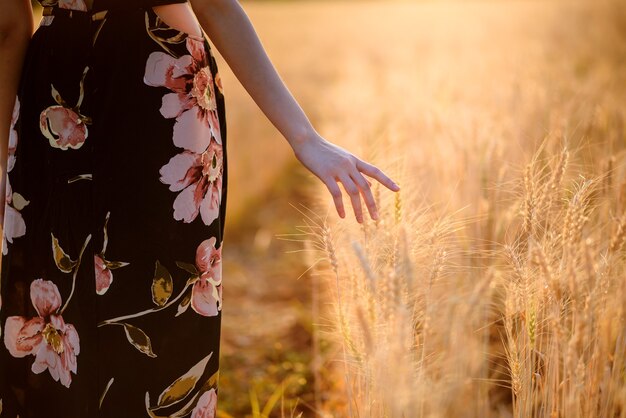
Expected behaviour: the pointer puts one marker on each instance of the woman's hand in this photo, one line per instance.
(332, 163)
(231, 31)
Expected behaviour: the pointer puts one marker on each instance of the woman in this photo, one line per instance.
(114, 148)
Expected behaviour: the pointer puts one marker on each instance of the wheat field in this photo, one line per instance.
(493, 284)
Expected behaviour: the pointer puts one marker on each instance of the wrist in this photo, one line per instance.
(303, 136)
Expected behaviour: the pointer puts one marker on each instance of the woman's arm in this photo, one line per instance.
(232, 33)
(16, 28)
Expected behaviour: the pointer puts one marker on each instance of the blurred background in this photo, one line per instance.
(493, 116)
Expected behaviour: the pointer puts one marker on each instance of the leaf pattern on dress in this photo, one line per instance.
(201, 397)
(162, 285)
(61, 259)
(139, 339)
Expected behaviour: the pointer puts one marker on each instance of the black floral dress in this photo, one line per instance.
(111, 279)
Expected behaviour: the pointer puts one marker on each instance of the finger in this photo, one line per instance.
(364, 185)
(355, 197)
(377, 173)
(334, 190)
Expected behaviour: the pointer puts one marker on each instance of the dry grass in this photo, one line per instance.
(493, 283)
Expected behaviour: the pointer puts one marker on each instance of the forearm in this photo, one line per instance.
(232, 33)
(13, 44)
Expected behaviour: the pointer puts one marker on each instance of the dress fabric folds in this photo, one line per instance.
(111, 276)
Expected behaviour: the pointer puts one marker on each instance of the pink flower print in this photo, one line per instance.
(206, 294)
(13, 222)
(206, 406)
(198, 178)
(14, 225)
(104, 273)
(13, 135)
(104, 267)
(54, 343)
(73, 5)
(104, 276)
(62, 124)
(192, 101)
(63, 127)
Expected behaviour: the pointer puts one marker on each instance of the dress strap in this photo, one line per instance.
(119, 5)
(100, 5)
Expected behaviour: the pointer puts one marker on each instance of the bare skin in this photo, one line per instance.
(231, 31)
(16, 28)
